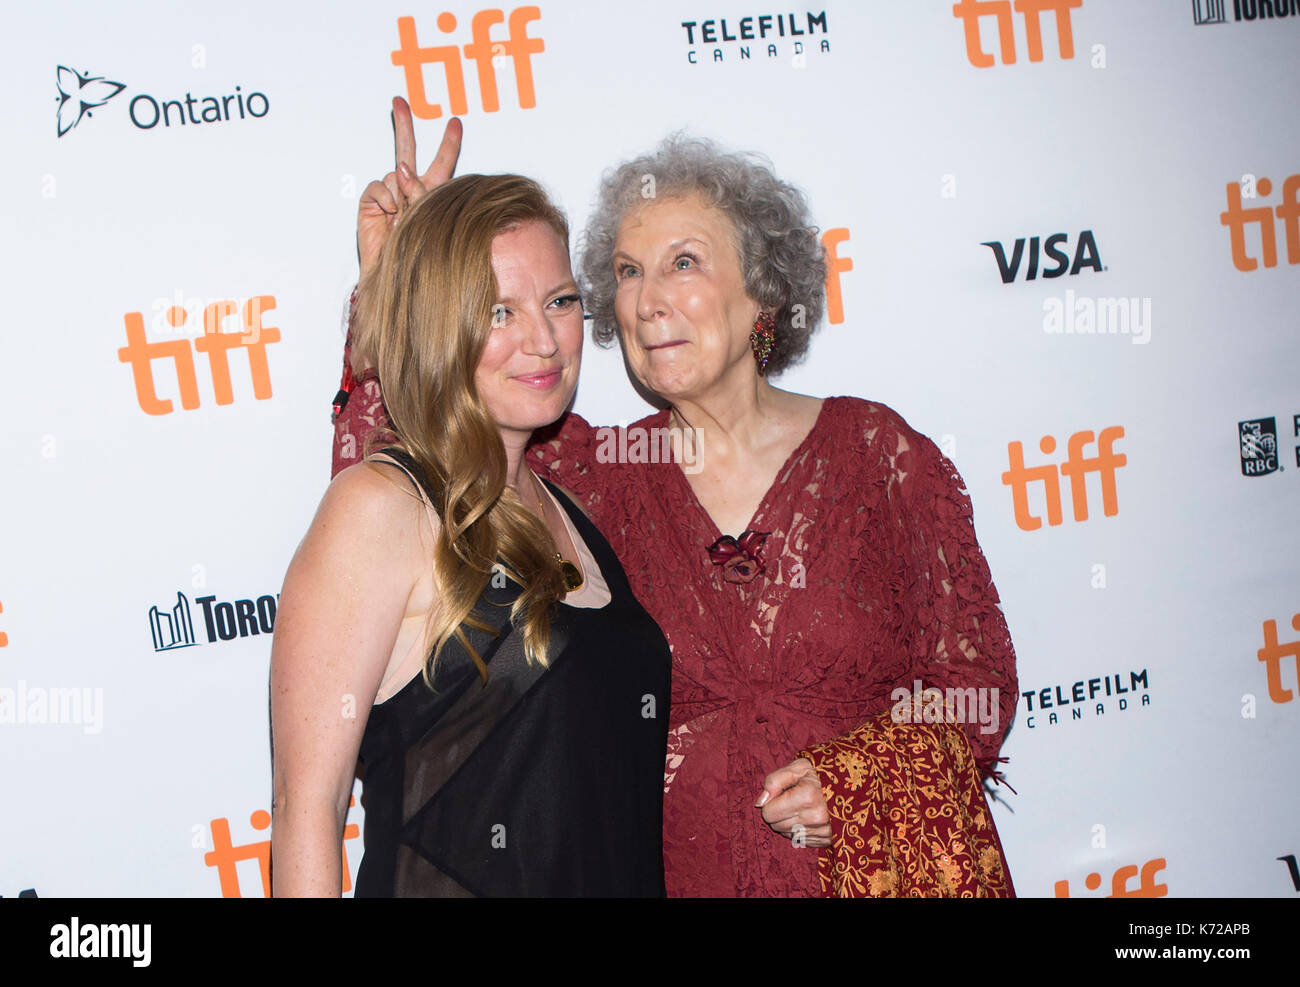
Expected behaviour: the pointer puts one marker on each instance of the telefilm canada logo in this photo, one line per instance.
(172, 627)
(80, 94)
(1095, 697)
(787, 38)
(1216, 11)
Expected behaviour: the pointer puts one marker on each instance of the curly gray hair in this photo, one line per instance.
(781, 256)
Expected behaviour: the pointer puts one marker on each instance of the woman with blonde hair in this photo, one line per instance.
(843, 675)
(451, 620)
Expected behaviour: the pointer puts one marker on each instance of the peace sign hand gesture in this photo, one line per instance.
(384, 201)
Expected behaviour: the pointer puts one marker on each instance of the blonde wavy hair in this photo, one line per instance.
(423, 319)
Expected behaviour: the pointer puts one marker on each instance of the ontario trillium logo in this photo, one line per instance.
(79, 93)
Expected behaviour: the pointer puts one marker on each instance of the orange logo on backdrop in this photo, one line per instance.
(969, 13)
(224, 855)
(835, 266)
(483, 51)
(1077, 466)
(1272, 654)
(1119, 882)
(140, 353)
(1235, 218)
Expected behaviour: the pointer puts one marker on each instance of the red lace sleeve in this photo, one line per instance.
(963, 647)
(906, 810)
(359, 408)
(567, 453)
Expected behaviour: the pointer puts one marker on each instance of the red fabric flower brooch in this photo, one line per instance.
(741, 558)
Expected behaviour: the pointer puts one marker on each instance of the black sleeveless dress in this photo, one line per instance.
(543, 782)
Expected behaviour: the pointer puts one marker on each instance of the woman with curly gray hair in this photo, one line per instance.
(812, 562)
(781, 259)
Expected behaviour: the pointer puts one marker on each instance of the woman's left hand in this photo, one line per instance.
(793, 805)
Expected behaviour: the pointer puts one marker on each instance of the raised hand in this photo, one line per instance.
(384, 201)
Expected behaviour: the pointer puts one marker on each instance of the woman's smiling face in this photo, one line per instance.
(528, 372)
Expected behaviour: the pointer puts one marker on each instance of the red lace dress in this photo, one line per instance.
(873, 580)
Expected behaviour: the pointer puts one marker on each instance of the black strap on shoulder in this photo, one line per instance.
(410, 467)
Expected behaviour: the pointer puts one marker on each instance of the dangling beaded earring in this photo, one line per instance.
(761, 339)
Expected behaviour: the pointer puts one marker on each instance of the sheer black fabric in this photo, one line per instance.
(546, 781)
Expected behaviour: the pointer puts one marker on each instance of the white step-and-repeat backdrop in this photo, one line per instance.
(1066, 244)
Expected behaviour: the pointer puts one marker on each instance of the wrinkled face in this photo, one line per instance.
(529, 369)
(681, 305)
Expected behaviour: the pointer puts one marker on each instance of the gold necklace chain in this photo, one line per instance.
(572, 574)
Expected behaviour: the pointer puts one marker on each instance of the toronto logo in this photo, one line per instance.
(222, 620)
(79, 93)
(174, 629)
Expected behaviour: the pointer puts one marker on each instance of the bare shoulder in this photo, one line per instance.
(371, 486)
(374, 505)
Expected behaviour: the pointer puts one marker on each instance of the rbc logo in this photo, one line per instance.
(486, 54)
(1258, 446)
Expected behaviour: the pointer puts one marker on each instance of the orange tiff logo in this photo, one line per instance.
(140, 353)
(486, 54)
(1272, 655)
(1235, 218)
(835, 266)
(1076, 467)
(1119, 882)
(224, 855)
(969, 13)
